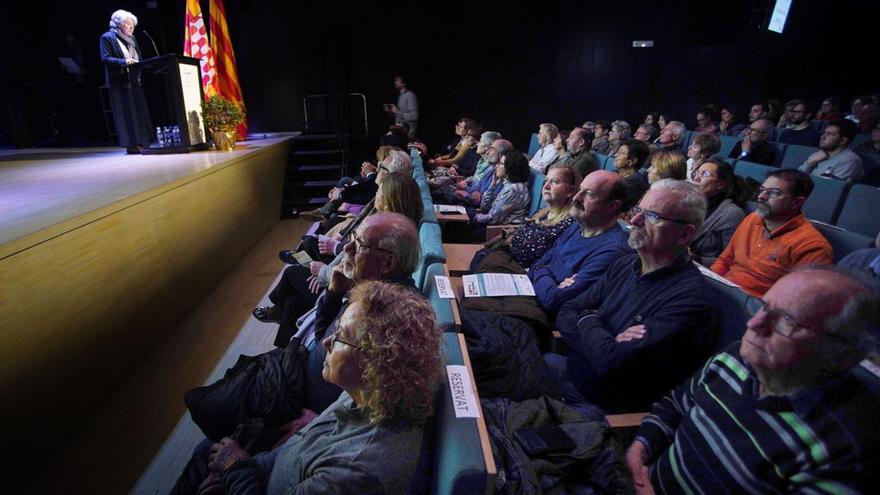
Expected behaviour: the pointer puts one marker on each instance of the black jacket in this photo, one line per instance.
(115, 68)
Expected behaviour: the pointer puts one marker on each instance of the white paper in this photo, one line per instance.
(462, 391)
(302, 258)
(450, 209)
(524, 285)
(192, 102)
(471, 286)
(709, 273)
(444, 287)
(497, 284)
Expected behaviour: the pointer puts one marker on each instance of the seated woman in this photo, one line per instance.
(629, 157)
(511, 203)
(444, 175)
(547, 134)
(456, 151)
(652, 118)
(722, 190)
(562, 155)
(729, 126)
(701, 149)
(298, 289)
(386, 356)
(667, 165)
(529, 242)
(706, 120)
(620, 130)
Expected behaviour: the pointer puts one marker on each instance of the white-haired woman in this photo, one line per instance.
(119, 51)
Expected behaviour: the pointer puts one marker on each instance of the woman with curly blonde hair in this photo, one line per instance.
(385, 355)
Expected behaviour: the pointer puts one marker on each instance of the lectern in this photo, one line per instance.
(179, 99)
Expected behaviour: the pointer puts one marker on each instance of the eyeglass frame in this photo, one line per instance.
(654, 218)
(773, 192)
(359, 246)
(335, 338)
(776, 315)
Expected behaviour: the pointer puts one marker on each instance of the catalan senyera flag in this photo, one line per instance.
(196, 45)
(227, 73)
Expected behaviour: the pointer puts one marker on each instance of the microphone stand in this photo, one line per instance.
(152, 41)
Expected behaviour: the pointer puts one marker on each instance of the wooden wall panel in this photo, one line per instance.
(80, 310)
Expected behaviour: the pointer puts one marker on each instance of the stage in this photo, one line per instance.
(101, 253)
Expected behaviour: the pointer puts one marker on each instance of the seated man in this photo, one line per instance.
(472, 195)
(780, 412)
(866, 260)
(775, 238)
(601, 139)
(646, 133)
(645, 324)
(833, 159)
(755, 146)
(384, 247)
(671, 137)
(578, 146)
(760, 110)
(583, 252)
(800, 131)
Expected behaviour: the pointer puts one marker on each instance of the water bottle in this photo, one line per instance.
(169, 139)
(175, 133)
(160, 137)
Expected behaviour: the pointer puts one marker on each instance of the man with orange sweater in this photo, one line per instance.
(776, 238)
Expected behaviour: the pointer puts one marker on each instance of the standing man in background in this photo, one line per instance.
(407, 109)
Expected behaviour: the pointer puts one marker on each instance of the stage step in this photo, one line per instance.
(319, 168)
(316, 153)
(315, 137)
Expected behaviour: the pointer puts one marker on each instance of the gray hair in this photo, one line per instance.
(651, 130)
(120, 16)
(489, 137)
(678, 129)
(398, 161)
(402, 239)
(622, 127)
(551, 129)
(691, 200)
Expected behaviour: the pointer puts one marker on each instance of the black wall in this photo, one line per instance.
(507, 65)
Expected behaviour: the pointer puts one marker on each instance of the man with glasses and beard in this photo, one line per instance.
(774, 239)
(644, 325)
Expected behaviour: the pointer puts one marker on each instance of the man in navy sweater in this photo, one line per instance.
(585, 249)
(645, 325)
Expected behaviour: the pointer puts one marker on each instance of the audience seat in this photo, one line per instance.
(859, 139)
(446, 310)
(428, 216)
(534, 146)
(432, 250)
(826, 199)
(756, 171)
(463, 462)
(819, 125)
(536, 186)
(603, 161)
(858, 213)
(689, 137)
(843, 241)
(727, 145)
(795, 155)
(730, 304)
(776, 133)
(779, 153)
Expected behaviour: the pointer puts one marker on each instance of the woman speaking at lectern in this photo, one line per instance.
(119, 51)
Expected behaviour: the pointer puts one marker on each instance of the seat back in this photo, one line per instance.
(859, 139)
(730, 306)
(843, 241)
(819, 125)
(463, 462)
(533, 145)
(795, 155)
(826, 200)
(778, 153)
(688, 138)
(756, 171)
(727, 145)
(536, 186)
(445, 310)
(432, 250)
(859, 212)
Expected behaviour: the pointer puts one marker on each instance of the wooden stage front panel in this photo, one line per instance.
(85, 300)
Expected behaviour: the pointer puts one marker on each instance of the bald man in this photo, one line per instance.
(755, 146)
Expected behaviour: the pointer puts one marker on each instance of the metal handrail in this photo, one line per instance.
(362, 96)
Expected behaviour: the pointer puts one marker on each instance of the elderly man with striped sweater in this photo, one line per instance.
(786, 410)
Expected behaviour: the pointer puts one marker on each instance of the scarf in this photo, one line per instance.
(129, 40)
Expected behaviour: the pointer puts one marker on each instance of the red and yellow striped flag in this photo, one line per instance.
(196, 45)
(227, 73)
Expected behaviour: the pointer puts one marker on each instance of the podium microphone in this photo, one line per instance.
(152, 41)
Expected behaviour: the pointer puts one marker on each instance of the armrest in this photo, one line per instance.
(459, 256)
(628, 420)
(456, 316)
(493, 231)
(452, 217)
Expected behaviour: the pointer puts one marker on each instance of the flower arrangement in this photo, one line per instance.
(221, 114)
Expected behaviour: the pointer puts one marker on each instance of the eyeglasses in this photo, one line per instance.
(780, 322)
(653, 217)
(759, 131)
(335, 338)
(773, 192)
(360, 247)
(383, 167)
(703, 174)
